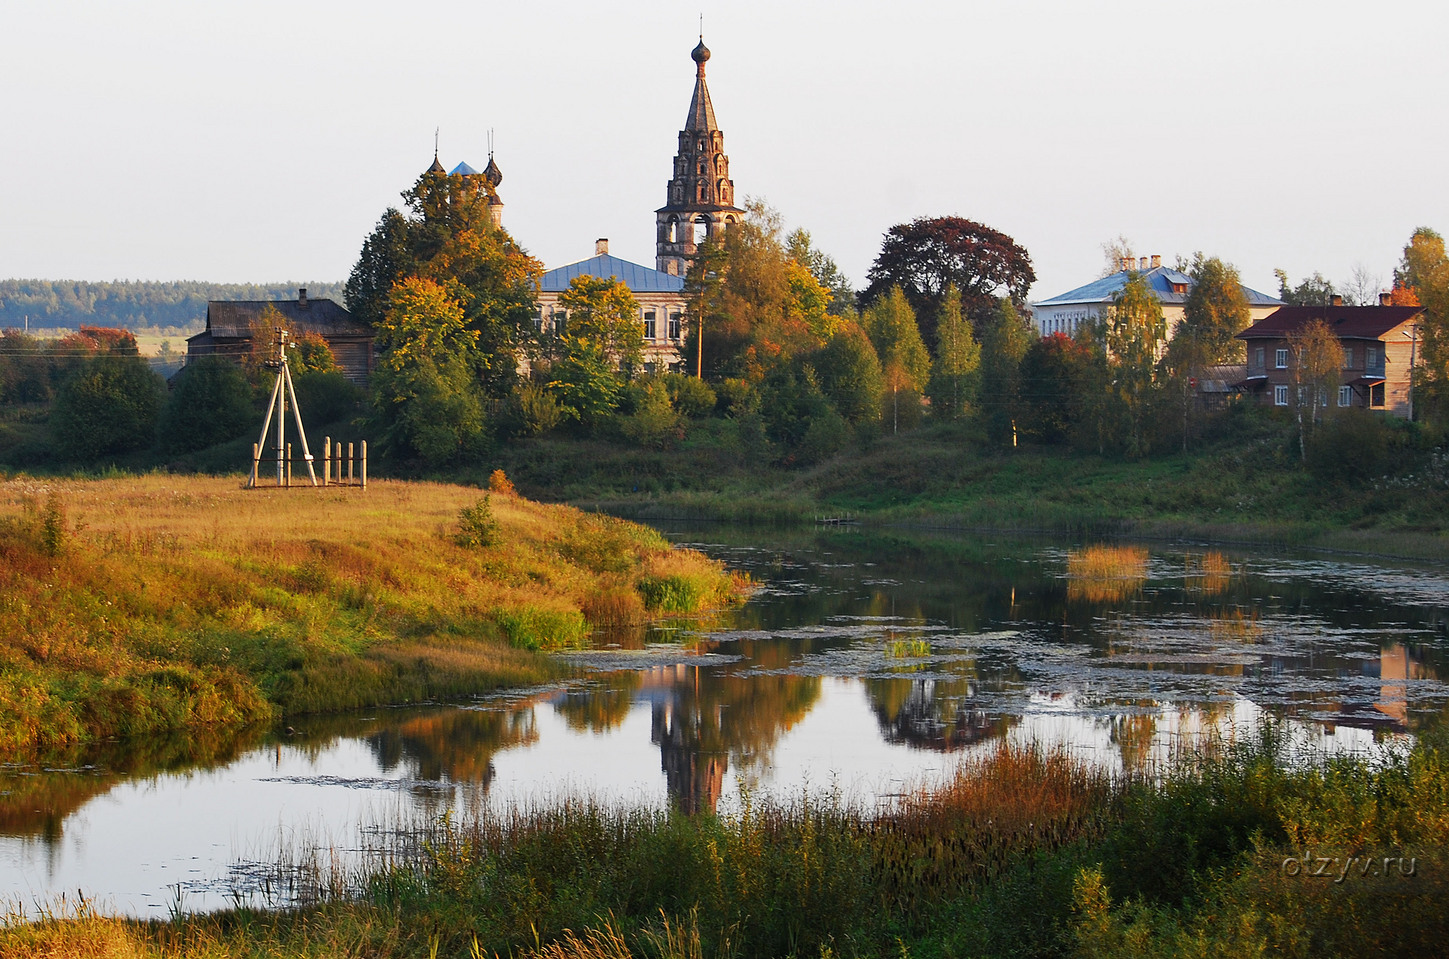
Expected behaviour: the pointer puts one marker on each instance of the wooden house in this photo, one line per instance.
(1380, 346)
(229, 325)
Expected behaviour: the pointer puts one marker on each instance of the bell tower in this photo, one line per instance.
(701, 196)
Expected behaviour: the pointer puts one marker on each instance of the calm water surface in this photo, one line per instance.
(865, 664)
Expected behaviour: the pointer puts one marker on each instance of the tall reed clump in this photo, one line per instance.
(1100, 574)
(131, 606)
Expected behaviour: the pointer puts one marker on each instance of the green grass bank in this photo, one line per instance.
(144, 606)
(1247, 483)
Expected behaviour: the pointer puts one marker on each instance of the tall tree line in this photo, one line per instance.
(131, 304)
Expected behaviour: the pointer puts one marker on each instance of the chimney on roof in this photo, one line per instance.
(1337, 299)
(1126, 263)
(1142, 264)
(301, 298)
(1386, 299)
(1156, 260)
(601, 246)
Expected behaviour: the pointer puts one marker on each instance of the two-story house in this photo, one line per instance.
(1380, 347)
(660, 296)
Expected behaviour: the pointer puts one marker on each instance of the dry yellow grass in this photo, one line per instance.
(1100, 574)
(134, 604)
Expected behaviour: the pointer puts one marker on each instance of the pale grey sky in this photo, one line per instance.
(228, 141)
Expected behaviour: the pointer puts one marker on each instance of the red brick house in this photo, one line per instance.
(1380, 347)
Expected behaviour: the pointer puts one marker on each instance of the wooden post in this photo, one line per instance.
(350, 461)
(256, 464)
(289, 466)
(364, 464)
(326, 460)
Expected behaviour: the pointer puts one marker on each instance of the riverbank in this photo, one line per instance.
(1243, 487)
(1237, 851)
(152, 605)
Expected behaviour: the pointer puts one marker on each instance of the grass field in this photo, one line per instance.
(134, 606)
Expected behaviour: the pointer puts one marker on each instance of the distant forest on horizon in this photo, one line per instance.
(134, 304)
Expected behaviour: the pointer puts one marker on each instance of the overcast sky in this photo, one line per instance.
(261, 141)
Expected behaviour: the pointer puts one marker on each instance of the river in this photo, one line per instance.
(866, 664)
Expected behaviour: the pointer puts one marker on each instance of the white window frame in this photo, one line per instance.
(1280, 358)
(1280, 395)
(1345, 395)
(651, 325)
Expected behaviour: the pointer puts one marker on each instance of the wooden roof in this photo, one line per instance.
(1346, 322)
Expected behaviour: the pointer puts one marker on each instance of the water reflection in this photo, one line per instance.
(864, 655)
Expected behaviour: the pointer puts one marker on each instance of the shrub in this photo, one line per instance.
(326, 397)
(498, 482)
(536, 627)
(477, 528)
(690, 395)
(532, 410)
(110, 405)
(210, 403)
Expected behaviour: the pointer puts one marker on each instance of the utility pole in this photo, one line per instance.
(282, 391)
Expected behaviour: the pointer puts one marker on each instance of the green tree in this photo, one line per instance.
(825, 271)
(763, 309)
(210, 403)
(956, 373)
(448, 236)
(1312, 291)
(110, 405)
(1004, 342)
(1053, 381)
(427, 399)
(1135, 330)
(890, 322)
(1215, 312)
(850, 375)
(1424, 270)
(25, 369)
(605, 312)
(1316, 358)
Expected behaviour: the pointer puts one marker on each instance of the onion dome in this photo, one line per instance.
(492, 174)
(700, 53)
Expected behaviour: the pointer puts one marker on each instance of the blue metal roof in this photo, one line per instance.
(1160, 281)
(639, 279)
(463, 169)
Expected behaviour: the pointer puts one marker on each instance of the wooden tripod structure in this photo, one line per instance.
(282, 392)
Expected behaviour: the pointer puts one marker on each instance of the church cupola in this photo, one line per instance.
(701, 196)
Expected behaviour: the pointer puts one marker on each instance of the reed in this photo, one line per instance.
(1020, 852)
(1101, 574)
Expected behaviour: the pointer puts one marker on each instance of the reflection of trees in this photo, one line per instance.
(601, 706)
(455, 744)
(931, 713)
(703, 719)
(37, 802)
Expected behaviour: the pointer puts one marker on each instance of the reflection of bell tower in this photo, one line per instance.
(701, 193)
(695, 778)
